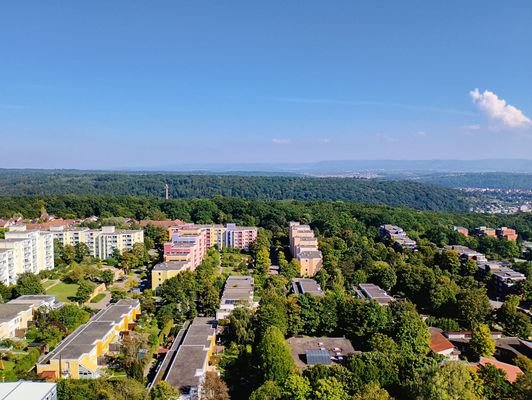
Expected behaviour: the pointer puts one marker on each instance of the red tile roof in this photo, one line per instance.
(438, 342)
(512, 371)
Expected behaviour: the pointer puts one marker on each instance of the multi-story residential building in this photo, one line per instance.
(186, 363)
(503, 277)
(80, 355)
(190, 242)
(304, 248)
(369, 291)
(238, 290)
(461, 230)
(101, 242)
(17, 313)
(466, 253)
(240, 237)
(485, 231)
(506, 233)
(166, 270)
(397, 236)
(25, 251)
(28, 390)
(7, 266)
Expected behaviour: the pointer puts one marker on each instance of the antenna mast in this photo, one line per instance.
(166, 191)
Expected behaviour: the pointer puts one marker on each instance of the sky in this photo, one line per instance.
(148, 84)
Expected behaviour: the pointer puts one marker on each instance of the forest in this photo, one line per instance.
(416, 195)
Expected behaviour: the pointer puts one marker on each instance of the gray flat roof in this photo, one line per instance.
(25, 390)
(306, 285)
(192, 356)
(171, 265)
(9, 311)
(374, 292)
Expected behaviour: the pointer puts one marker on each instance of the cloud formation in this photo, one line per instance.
(281, 141)
(499, 110)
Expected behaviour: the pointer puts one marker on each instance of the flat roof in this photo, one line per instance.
(301, 345)
(310, 254)
(25, 390)
(191, 358)
(374, 292)
(306, 285)
(171, 265)
(8, 311)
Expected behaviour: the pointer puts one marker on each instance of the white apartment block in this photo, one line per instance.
(101, 242)
(25, 251)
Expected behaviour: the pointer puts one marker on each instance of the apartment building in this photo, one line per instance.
(166, 270)
(503, 277)
(188, 361)
(17, 313)
(25, 390)
(189, 244)
(506, 233)
(461, 230)
(397, 236)
(238, 290)
(466, 253)
(24, 251)
(304, 248)
(101, 242)
(485, 231)
(82, 353)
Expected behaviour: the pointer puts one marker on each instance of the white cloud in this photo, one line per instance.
(499, 110)
(386, 138)
(325, 141)
(474, 127)
(421, 134)
(281, 141)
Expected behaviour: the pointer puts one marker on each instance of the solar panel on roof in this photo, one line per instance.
(315, 357)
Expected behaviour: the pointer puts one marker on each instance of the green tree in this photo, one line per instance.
(452, 381)
(163, 391)
(108, 277)
(268, 391)
(81, 250)
(496, 386)
(296, 387)
(329, 389)
(481, 343)
(84, 292)
(473, 307)
(372, 391)
(276, 361)
(29, 283)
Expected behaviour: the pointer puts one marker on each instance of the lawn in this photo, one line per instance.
(63, 291)
(98, 297)
(47, 284)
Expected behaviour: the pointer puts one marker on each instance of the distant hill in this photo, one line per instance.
(375, 191)
(490, 180)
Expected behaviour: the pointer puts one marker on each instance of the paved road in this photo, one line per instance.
(102, 303)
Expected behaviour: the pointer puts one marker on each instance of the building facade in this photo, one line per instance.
(25, 251)
(304, 248)
(80, 354)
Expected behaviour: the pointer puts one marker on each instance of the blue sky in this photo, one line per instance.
(123, 84)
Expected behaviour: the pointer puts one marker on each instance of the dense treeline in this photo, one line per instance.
(274, 215)
(401, 193)
(492, 180)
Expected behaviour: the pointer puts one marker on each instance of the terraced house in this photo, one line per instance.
(82, 354)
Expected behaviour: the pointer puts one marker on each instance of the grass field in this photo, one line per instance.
(97, 298)
(63, 291)
(47, 284)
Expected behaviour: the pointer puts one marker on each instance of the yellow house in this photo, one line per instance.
(79, 355)
(14, 317)
(166, 270)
